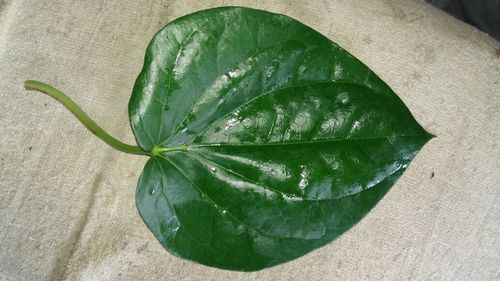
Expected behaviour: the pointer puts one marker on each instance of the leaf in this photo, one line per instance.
(268, 139)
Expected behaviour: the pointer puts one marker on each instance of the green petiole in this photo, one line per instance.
(84, 118)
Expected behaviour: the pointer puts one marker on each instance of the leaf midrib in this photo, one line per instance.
(187, 147)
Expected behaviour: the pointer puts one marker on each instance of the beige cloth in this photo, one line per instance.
(67, 209)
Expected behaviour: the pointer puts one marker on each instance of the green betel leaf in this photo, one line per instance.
(271, 140)
(267, 140)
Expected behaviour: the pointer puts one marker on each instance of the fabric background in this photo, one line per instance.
(67, 209)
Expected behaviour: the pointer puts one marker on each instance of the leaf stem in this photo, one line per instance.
(83, 117)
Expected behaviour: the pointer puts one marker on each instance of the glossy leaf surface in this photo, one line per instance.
(269, 139)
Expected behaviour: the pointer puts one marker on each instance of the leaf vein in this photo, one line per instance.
(241, 176)
(179, 125)
(175, 212)
(297, 142)
(171, 74)
(218, 207)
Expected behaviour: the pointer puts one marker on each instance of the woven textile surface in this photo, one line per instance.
(67, 206)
